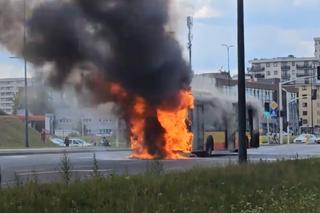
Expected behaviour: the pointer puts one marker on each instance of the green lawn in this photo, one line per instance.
(12, 134)
(291, 186)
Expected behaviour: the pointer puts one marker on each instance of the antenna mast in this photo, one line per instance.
(190, 38)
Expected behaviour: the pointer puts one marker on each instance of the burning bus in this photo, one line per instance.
(213, 122)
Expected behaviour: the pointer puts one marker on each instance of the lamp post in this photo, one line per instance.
(26, 136)
(228, 58)
(25, 78)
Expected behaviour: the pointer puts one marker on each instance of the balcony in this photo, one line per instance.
(285, 67)
(304, 67)
(285, 77)
(256, 69)
(304, 74)
(259, 76)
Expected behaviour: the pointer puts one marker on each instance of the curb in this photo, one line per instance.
(11, 152)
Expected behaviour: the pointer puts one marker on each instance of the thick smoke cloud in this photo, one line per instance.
(105, 43)
(126, 40)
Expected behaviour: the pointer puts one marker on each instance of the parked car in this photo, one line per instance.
(77, 142)
(57, 141)
(305, 138)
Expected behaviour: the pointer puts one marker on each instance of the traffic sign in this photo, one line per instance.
(266, 114)
(274, 113)
(274, 105)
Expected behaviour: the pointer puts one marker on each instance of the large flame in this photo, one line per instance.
(177, 137)
(175, 141)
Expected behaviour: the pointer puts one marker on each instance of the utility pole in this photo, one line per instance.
(190, 38)
(312, 102)
(241, 86)
(228, 58)
(26, 115)
(280, 115)
(25, 76)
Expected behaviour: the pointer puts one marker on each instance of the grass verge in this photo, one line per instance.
(291, 186)
(12, 134)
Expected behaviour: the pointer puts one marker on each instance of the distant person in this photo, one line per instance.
(67, 141)
(105, 142)
(43, 136)
(93, 140)
(246, 138)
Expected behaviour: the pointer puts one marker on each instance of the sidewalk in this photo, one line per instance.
(34, 151)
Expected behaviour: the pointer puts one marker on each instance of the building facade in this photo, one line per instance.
(263, 91)
(72, 115)
(309, 107)
(284, 68)
(9, 88)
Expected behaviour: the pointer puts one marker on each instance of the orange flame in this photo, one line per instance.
(176, 138)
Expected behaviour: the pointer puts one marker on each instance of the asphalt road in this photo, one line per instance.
(47, 167)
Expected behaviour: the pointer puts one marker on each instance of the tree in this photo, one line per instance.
(2, 112)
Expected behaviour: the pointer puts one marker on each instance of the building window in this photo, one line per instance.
(268, 73)
(304, 121)
(304, 104)
(275, 72)
(268, 65)
(293, 63)
(304, 113)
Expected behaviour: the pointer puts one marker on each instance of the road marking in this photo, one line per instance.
(58, 172)
(17, 156)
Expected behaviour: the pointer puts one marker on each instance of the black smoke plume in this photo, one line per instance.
(111, 41)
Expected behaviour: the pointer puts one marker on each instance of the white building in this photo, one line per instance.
(73, 115)
(286, 68)
(8, 90)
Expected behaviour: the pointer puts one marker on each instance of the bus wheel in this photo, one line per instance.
(209, 145)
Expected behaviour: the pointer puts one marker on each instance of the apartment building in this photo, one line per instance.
(286, 68)
(8, 90)
(309, 106)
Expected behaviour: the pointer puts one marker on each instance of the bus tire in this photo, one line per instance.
(209, 145)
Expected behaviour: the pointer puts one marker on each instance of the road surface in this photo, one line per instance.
(47, 167)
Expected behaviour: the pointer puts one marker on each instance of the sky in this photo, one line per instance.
(273, 28)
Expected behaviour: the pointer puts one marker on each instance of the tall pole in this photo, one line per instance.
(241, 85)
(288, 117)
(228, 58)
(280, 115)
(190, 37)
(312, 102)
(25, 78)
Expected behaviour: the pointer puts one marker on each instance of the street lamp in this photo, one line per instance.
(228, 57)
(26, 139)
